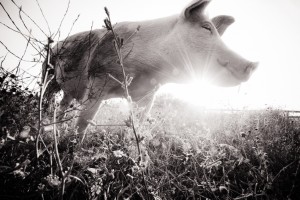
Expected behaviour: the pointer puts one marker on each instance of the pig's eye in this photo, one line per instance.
(207, 26)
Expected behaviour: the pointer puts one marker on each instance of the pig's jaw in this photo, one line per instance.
(226, 75)
(244, 73)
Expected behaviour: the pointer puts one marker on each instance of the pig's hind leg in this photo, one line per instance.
(90, 104)
(63, 106)
(86, 114)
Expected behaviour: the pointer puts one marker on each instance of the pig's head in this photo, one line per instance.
(210, 57)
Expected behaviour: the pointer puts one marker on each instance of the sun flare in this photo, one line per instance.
(204, 95)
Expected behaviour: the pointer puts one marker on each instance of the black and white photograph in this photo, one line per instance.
(149, 100)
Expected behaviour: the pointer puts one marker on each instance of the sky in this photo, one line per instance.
(267, 31)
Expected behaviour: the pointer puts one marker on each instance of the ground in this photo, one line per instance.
(186, 153)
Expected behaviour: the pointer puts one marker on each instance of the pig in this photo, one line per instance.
(173, 49)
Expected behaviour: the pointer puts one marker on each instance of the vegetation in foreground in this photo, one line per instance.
(186, 153)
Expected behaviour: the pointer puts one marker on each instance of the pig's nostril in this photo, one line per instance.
(251, 67)
(255, 65)
(223, 63)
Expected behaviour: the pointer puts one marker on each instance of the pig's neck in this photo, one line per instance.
(164, 55)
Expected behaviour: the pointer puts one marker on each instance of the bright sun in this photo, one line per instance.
(206, 96)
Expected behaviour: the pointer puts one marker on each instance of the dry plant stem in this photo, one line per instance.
(58, 30)
(207, 182)
(18, 66)
(112, 77)
(43, 87)
(41, 10)
(118, 48)
(2, 61)
(57, 158)
(246, 196)
(282, 170)
(16, 31)
(63, 43)
(294, 182)
(56, 154)
(23, 22)
(19, 7)
(51, 164)
(122, 191)
(12, 53)
(10, 18)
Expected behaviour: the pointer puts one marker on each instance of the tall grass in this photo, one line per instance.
(189, 154)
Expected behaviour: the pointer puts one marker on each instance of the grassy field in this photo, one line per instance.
(186, 153)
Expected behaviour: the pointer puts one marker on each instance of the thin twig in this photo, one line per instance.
(44, 16)
(43, 87)
(134, 33)
(65, 40)
(26, 72)
(18, 66)
(282, 170)
(122, 191)
(115, 79)
(58, 30)
(118, 43)
(2, 61)
(118, 47)
(294, 182)
(56, 153)
(30, 18)
(208, 185)
(23, 22)
(10, 18)
(246, 196)
(12, 53)
(16, 31)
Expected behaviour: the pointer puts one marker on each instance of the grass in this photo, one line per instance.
(186, 154)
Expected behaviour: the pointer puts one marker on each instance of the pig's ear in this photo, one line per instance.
(222, 22)
(195, 9)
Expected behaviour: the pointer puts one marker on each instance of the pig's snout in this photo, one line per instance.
(241, 70)
(251, 67)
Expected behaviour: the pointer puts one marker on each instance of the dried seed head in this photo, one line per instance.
(138, 28)
(107, 24)
(106, 11)
(50, 40)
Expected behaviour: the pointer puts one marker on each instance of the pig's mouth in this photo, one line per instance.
(228, 75)
(241, 74)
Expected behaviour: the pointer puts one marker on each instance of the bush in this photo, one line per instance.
(18, 105)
